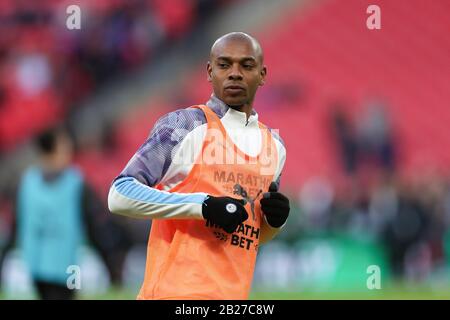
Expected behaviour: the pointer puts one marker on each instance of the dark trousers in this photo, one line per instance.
(52, 291)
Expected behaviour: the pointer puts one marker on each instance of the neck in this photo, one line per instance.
(52, 163)
(246, 108)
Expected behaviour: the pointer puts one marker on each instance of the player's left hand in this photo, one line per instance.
(275, 206)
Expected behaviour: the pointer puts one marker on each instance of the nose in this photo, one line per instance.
(235, 73)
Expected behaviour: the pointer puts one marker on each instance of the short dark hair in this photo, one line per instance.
(46, 140)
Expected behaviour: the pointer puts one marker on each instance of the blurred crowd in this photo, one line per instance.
(51, 69)
(408, 215)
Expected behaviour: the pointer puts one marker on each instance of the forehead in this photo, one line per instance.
(235, 48)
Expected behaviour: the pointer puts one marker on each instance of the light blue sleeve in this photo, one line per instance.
(129, 197)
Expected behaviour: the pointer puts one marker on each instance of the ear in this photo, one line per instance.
(263, 75)
(209, 71)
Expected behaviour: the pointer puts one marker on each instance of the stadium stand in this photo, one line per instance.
(329, 54)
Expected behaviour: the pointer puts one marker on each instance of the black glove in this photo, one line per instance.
(275, 206)
(225, 212)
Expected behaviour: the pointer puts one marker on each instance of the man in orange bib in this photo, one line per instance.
(208, 177)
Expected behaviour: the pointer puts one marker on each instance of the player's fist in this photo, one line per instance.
(226, 212)
(275, 206)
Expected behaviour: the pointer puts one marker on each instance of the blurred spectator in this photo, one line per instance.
(375, 140)
(415, 233)
(33, 74)
(368, 141)
(405, 230)
(345, 136)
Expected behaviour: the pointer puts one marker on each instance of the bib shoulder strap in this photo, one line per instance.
(212, 119)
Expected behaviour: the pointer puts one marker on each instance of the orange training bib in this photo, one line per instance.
(192, 259)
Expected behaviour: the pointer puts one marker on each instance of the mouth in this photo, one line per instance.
(234, 89)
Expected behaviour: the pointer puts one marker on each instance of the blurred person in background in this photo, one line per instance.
(375, 135)
(345, 136)
(56, 210)
(414, 234)
(369, 140)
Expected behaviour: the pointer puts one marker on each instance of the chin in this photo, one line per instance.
(235, 103)
(236, 106)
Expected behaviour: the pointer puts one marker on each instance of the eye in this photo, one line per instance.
(223, 65)
(248, 66)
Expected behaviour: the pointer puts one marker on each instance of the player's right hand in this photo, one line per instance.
(226, 212)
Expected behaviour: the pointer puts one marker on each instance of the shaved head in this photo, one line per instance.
(236, 69)
(238, 37)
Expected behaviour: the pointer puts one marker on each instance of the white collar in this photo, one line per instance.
(233, 117)
(238, 119)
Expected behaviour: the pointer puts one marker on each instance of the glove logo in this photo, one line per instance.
(231, 208)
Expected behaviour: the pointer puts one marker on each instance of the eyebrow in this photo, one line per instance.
(226, 58)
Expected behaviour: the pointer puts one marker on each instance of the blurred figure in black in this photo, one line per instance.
(415, 234)
(346, 138)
